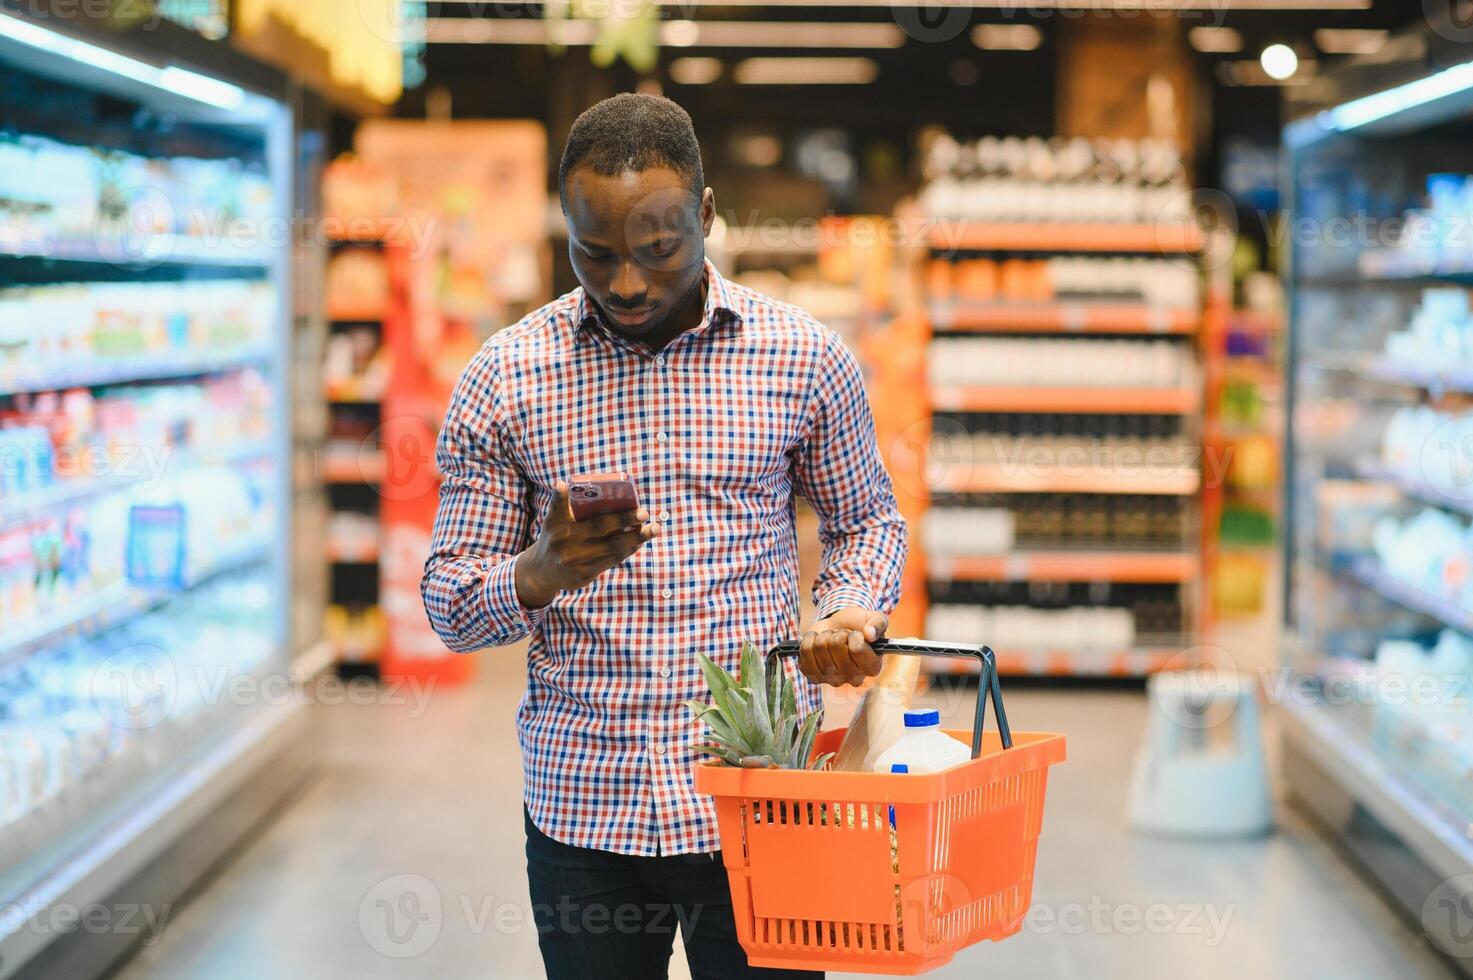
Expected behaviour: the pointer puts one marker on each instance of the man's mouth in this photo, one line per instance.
(630, 318)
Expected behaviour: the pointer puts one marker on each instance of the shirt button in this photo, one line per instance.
(661, 437)
(666, 593)
(664, 671)
(659, 750)
(665, 516)
(660, 361)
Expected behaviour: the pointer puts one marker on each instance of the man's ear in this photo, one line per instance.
(708, 211)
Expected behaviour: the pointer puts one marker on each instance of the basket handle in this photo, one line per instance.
(987, 683)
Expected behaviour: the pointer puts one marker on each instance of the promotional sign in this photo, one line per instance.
(473, 203)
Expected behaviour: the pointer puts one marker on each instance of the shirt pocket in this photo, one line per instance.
(739, 435)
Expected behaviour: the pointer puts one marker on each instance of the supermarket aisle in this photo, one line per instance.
(427, 804)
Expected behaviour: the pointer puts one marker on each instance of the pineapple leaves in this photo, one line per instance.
(753, 719)
(806, 735)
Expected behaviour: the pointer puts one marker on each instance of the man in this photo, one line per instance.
(722, 404)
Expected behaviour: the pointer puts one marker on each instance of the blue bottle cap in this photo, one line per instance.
(922, 719)
(899, 767)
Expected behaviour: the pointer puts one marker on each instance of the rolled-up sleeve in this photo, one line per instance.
(840, 472)
(469, 585)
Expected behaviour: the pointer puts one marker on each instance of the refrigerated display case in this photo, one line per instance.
(1379, 602)
(145, 438)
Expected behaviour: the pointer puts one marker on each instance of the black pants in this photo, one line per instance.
(606, 916)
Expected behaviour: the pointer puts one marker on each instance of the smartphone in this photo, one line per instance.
(592, 494)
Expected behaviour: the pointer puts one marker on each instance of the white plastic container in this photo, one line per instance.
(924, 747)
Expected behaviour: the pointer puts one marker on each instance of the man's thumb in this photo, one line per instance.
(562, 507)
(877, 622)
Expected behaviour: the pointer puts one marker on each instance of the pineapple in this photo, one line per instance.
(753, 718)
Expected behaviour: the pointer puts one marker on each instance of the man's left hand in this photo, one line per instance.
(837, 650)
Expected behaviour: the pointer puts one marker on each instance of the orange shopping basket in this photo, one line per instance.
(881, 873)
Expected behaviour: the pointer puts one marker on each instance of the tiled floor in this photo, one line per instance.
(418, 810)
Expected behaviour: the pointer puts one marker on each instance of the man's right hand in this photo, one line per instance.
(569, 554)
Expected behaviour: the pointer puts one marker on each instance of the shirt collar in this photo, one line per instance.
(721, 305)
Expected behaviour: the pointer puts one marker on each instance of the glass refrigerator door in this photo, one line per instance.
(1380, 600)
(143, 449)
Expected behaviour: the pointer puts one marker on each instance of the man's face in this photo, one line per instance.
(637, 244)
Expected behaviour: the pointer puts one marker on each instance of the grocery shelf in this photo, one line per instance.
(1387, 371)
(945, 234)
(1399, 264)
(1100, 401)
(1106, 318)
(358, 231)
(1021, 479)
(114, 605)
(1066, 566)
(336, 399)
(1337, 741)
(357, 470)
(1414, 489)
(71, 491)
(364, 314)
(1137, 662)
(1367, 571)
(160, 249)
(151, 367)
(346, 553)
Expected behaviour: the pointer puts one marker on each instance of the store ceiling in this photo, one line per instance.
(935, 69)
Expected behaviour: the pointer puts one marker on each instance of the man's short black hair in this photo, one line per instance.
(633, 132)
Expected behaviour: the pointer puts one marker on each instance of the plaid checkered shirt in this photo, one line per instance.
(719, 431)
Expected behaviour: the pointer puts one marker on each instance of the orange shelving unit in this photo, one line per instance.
(1090, 318)
(995, 279)
(1001, 479)
(1144, 239)
(1071, 401)
(1084, 566)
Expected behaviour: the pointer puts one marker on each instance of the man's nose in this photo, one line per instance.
(629, 286)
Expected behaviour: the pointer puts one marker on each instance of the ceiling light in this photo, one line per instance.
(1347, 40)
(674, 33)
(695, 71)
(1006, 37)
(1279, 61)
(797, 34)
(1215, 40)
(1449, 81)
(806, 71)
(179, 81)
(1250, 71)
(1094, 6)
